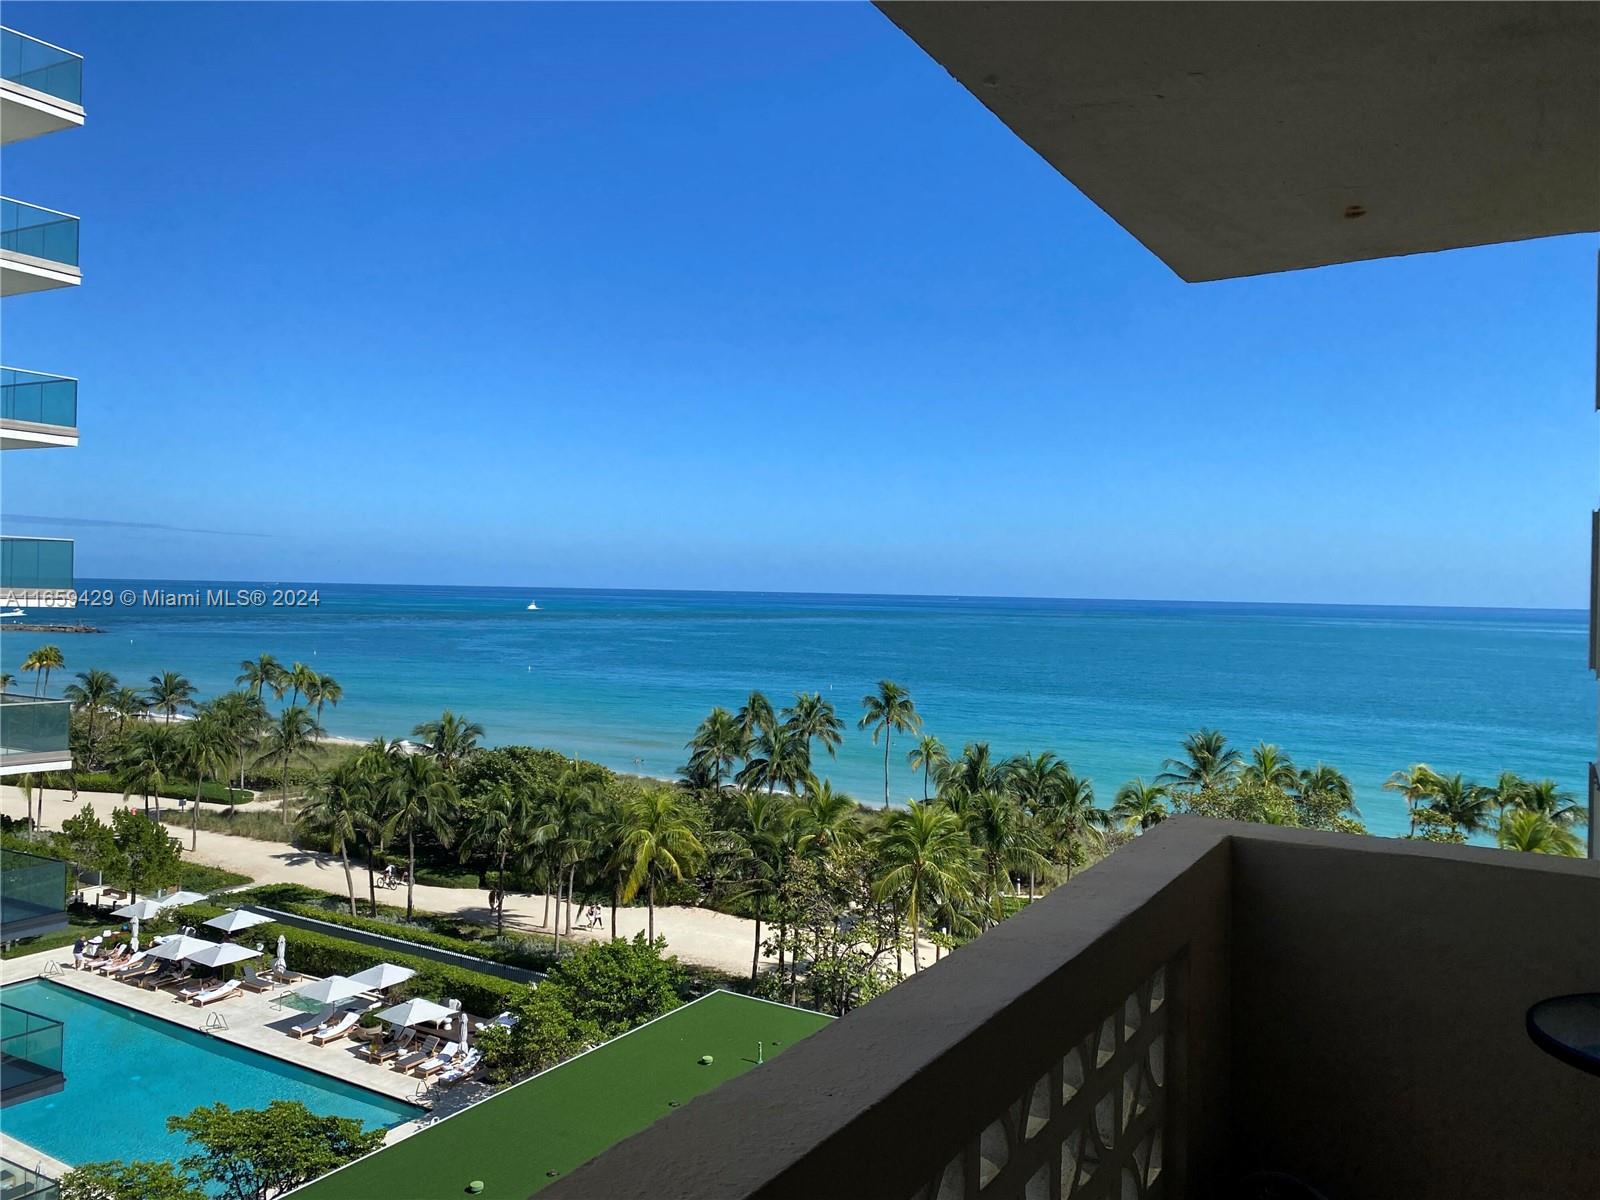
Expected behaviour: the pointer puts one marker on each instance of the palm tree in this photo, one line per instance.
(1005, 841)
(889, 710)
(975, 771)
(1321, 793)
(449, 739)
(43, 660)
(659, 844)
(301, 680)
(6, 680)
(923, 853)
(170, 691)
(718, 742)
(755, 715)
(812, 719)
(93, 692)
(1270, 767)
(265, 673)
(1534, 832)
(294, 734)
(1139, 805)
(144, 762)
(244, 716)
(340, 807)
(1463, 804)
(1546, 796)
(206, 746)
(777, 758)
(1415, 784)
(1068, 814)
(1208, 762)
(419, 799)
(325, 690)
(767, 821)
(928, 756)
(500, 826)
(563, 826)
(825, 819)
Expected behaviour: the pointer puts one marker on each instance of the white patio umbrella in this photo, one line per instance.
(178, 946)
(331, 990)
(133, 941)
(281, 964)
(222, 954)
(139, 910)
(178, 898)
(382, 977)
(236, 919)
(415, 1012)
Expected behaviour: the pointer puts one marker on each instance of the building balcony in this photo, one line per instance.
(1216, 1010)
(38, 248)
(34, 738)
(37, 410)
(36, 573)
(30, 1053)
(41, 87)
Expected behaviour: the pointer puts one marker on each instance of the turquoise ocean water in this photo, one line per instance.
(623, 677)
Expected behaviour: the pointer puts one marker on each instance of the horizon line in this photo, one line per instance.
(686, 591)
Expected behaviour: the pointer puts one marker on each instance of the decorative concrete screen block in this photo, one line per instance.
(1091, 1126)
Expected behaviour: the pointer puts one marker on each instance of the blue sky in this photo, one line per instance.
(720, 296)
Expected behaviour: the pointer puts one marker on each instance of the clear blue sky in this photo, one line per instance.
(735, 297)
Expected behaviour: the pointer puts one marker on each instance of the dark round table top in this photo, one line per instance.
(1569, 1028)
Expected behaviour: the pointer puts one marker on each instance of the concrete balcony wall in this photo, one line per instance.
(1347, 1010)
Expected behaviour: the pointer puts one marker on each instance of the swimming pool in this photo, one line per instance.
(127, 1072)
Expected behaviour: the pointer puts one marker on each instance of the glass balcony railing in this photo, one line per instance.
(34, 728)
(30, 1054)
(38, 232)
(38, 399)
(35, 564)
(39, 65)
(18, 1182)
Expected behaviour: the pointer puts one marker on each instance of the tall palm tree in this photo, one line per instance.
(301, 680)
(755, 715)
(718, 742)
(1415, 784)
(1534, 832)
(766, 823)
(170, 691)
(340, 808)
(1068, 815)
(1140, 805)
(659, 844)
(500, 827)
(1509, 789)
(244, 716)
(1005, 841)
(1465, 805)
(777, 758)
(564, 827)
(263, 674)
(1547, 796)
(293, 736)
(206, 748)
(145, 762)
(420, 799)
(824, 819)
(928, 756)
(449, 739)
(6, 680)
(43, 660)
(93, 692)
(1321, 793)
(812, 719)
(376, 764)
(128, 704)
(888, 711)
(1208, 761)
(923, 853)
(1270, 767)
(325, 690)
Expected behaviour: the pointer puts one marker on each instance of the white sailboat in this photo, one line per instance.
(532, 607)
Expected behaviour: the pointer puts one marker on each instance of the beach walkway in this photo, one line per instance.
(696, 935)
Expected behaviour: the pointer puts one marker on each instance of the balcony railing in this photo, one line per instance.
(41, 233)
(30, 1055)
(18, 1182)
(1215, 1010)
(34, 565)
(38, 65)
(38, 399)
(34, 899)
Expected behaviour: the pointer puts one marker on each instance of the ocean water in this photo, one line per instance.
(127, 1072)
(623, 677)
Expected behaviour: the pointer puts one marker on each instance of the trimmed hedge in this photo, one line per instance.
(320, 954)
(211, 792)
(292, 898)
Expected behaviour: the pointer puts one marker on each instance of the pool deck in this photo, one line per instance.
(254, 1021)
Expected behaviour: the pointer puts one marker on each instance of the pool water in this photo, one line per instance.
(127, 1072)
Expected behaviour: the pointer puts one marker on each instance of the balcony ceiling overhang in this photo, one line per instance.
(22, 273)
(1241, 139)
(26, 113)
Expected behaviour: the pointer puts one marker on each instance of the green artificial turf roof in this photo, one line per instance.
(566, 1116)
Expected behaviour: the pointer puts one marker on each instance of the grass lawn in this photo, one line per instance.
(560, 1119)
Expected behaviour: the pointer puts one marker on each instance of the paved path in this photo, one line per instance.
(696, 935)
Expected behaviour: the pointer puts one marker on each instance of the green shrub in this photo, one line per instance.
(434, 877)
(211, 792)
(616, 985)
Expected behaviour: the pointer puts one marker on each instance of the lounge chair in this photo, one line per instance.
(332, 1033)
(438, 1062)
(137, 973)
(256, 983)
(106, 962)
(201, 999)
(467, 1066)
(429, 1045)
(385, 1049)
(310, 1024)
(171, 973)
(113, 970)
